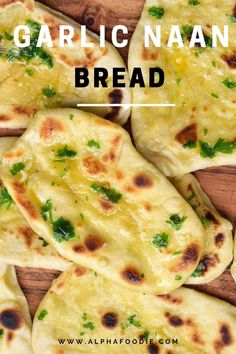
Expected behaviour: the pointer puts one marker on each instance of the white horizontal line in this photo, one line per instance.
(126, 105)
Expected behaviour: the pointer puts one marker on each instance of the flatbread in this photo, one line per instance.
(19, 245)
(233, 268)
(82, 185)
(15, 321)
(200, 131)
(31, 80)
(218, 249)
(89, 307)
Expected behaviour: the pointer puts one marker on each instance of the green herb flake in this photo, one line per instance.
(206, 150)
(192, 196)
(213, 63)
(133, 321)
(205, 131)
(160, 240)
(124, 325)
(178, 277)
(85, 316)
(45, 243)
(190, 144)
(93, 143)
(29, 72)
(42, 315)
(65, 152)
(146, 334)
(113, 195)
(49, 91)
(205, 221)
(178, 81)
(1, 332)
(63, 230)
(5, 198)
(82, 333)
(225, 147)
(193, 2)
(64, 172)
(81, 216)
(213, 94)
(232, 18)
(186, 32)
(198, 271)
(157, 12)
(176, 222)
(17, 167)
(46, 211)
(176, 253)
(229, 83)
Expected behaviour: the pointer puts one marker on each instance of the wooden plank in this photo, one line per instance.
(219, 183)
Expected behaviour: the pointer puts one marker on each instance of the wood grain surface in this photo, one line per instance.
(219, 183)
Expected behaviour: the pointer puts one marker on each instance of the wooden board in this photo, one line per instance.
(219, 183)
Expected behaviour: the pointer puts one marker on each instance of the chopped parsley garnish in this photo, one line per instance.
(45, 243)
(160, 240)
(229, 83)
(5, 198)
(205, 221)
(205, 131)
(1, 332)
(81, 216)
(85, 316)
(89, 324)
(71, 116)
(49, 91)
(113, 195)
(206, 150)
(8, 36)
(157, 12)
(190, 144)
(222, 146)
(146, 334)
(232, 18)
(93, 143)
(131, 320)
(63, 230)
(82, 333)
(29, 72)
(213, 94)
(186, 32)
(193, 2)
(178, 277)
(198, 271)
(65, 152)
(192, 196)
(176, 253)
(176, 221)
(63, 173)
(46, 211)
(178, 81)
(213, 63)
(17, 167)
(42, 314)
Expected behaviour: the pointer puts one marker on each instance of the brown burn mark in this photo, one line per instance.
(174, 321)
(10, 337)
(119, 175)
(188, 259)
(171, 299)
(21, 197)
(24, 110)
(79, 249)
(230, 60)
(93, 166)
(132, 276)
(106, 205)
(53, 26)
(4, 3)
(11, 319)
(110, 320)
(208, 261)
(142, 180)
(152, 348)
(197, 339)
(149, 54)
(234, 10)
(49, 127)
(189, 133)
(88, 61)
(14, 154)
(225, 339)
(116, 141)
(93, 243)
(28, 235)
(211, 217)
(219, 240)
(114, 97)
(79, 271)
(4, 118)
(148, 207)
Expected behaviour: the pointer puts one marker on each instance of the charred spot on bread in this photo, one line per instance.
(142, 180)
(211, 217)
(49, 126)
(11, 319)
(21, 197)
(93, 243)
(79, 249)
(152, 348)
(219, 240)
(171, 299)
(174, 320)
(79, 271)
(230, 60)
(132, 275)
(225, 339)
(189, 133)
(114, 97)
(93, 166)
(28, 235)
(191, 254)
(110, 320)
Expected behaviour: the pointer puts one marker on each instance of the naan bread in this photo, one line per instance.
(201, 130)
(34, 78)
(218, 249)
(233, 268)
(19, 245)
(81, 184)
(84, 306)
(15, 321)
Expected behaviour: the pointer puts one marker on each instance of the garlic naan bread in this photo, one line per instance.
(233, 268)
(15, 321)
(201, 130)
(37, 77)
(218, 249)
(83, 307)
(19, 245)
(81, 184)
